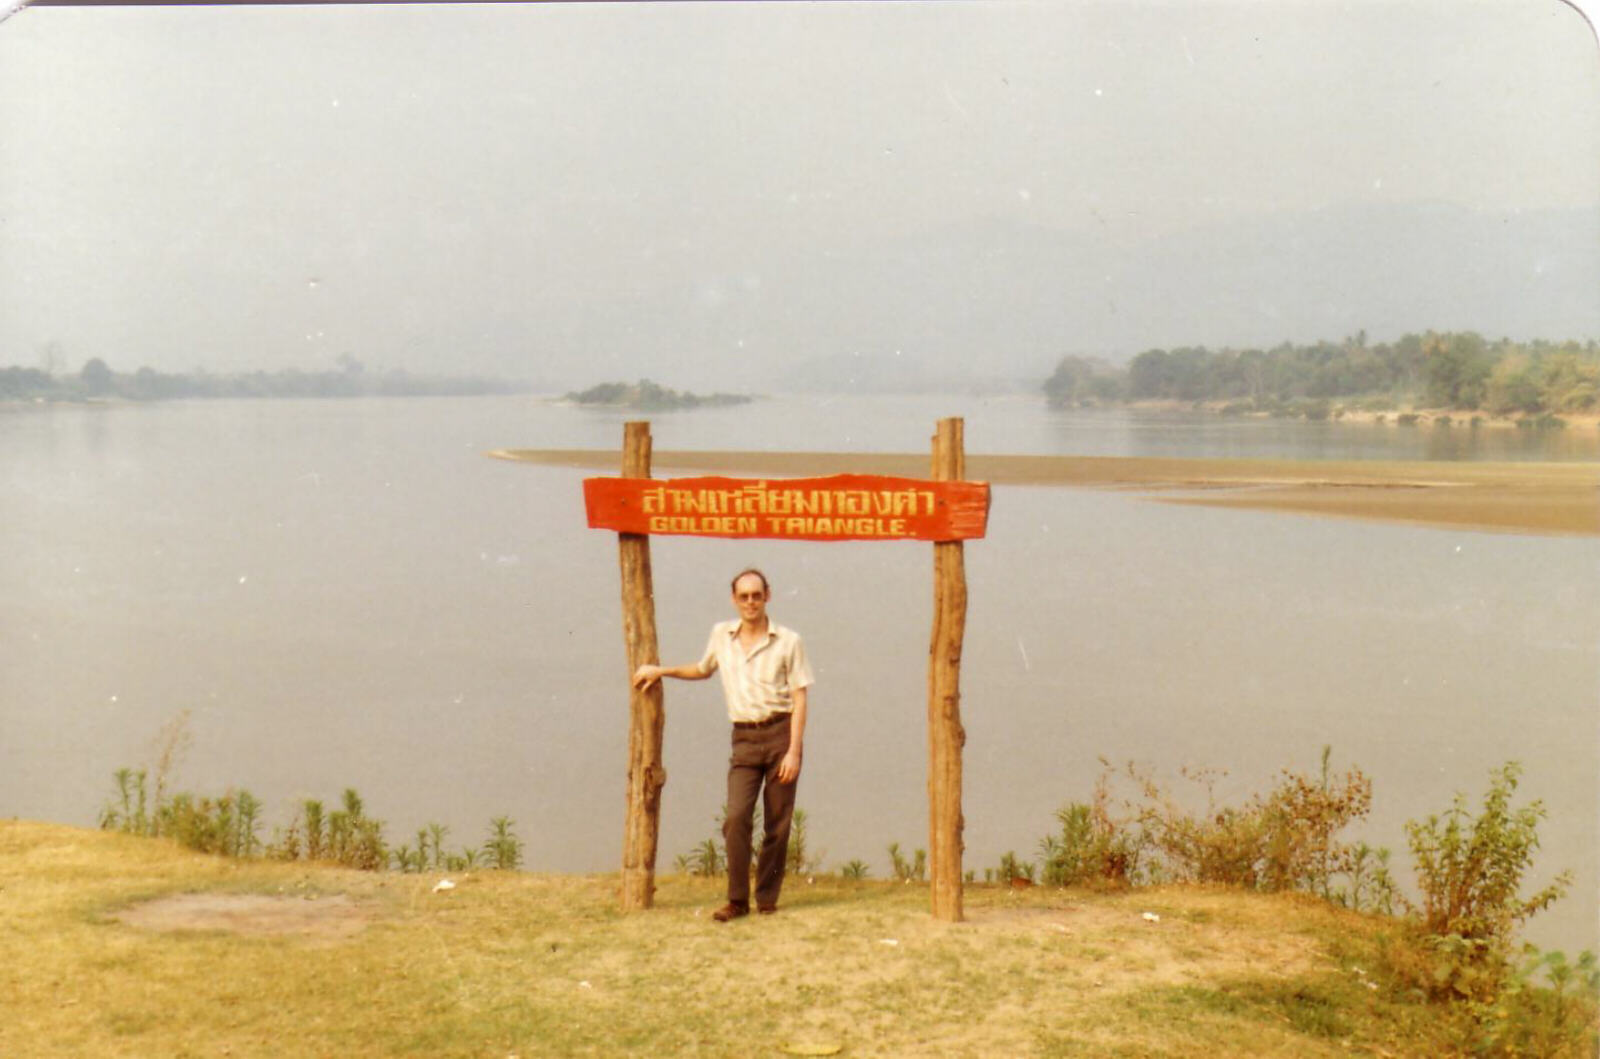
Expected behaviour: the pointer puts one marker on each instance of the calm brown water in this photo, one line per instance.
(350, 594)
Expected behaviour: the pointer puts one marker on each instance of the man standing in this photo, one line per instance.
(764, 679)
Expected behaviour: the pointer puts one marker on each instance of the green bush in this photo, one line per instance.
(1093, 846)
(704, 860)
(230, 825)
(346, 836)
(129, 813)
(1546, 1007)
(1469, 874)
(354, 839)
(1469, 871)
(225, 825)
(1067, 857)
(1370, 887)
(915, 870)
(502, 849)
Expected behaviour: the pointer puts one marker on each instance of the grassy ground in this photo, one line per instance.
(321, 961)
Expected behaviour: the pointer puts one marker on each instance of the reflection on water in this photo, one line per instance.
(349, 593)
(1201, 435)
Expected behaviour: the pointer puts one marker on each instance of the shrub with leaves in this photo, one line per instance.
(914, 870)
(502, 849)
(1370, 887)
(799, 860)
(710, 857)
(466, 860)
(1303, 819)
(1470, 869)
(129, 812)
(1547, 1006)
(354, 839)
(1093, 845)
(856, 870)
(1469, 872)
(704, 860)
(314, 818)
(1012, 870)
(1284, 840)
(227, 825)
(224, 825)
(230, 825)
(345, 836)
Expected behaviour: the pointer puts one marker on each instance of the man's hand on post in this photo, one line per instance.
(789, 767)
(646, 675)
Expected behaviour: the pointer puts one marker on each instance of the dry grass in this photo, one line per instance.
(522, 964)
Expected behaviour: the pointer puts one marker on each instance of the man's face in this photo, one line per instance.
(750, 598)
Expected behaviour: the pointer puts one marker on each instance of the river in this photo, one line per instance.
(349, 593)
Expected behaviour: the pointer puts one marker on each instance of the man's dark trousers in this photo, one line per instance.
(753, 767)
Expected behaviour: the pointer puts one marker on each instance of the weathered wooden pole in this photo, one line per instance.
(945, 734)
(646, 711)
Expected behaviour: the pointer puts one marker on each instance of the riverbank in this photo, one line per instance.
(125, 946)
(1541, 498)
(1394, 415)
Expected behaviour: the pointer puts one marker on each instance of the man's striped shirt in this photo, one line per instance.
(762, 682)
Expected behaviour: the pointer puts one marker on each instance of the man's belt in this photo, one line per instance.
(768, 723)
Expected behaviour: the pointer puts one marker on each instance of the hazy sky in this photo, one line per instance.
(714, 193)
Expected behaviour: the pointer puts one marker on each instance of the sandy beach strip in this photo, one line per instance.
(1542, 498)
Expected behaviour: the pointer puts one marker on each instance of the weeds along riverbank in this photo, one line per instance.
(1190, 928)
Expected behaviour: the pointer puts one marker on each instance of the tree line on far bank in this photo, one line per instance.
(97, 381)
(1449, 370)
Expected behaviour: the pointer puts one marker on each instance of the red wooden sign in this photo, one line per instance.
(841, 507)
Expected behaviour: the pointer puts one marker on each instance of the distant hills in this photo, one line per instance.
(97, 381)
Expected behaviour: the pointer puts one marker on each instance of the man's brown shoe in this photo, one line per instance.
(730, 911)
(766, 910)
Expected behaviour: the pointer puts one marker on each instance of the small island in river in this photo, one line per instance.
(647, 396)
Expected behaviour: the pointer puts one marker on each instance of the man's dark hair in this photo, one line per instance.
(746, 572)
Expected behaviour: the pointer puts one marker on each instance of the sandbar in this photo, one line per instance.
(1554, 499)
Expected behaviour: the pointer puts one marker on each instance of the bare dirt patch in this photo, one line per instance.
(255, 915)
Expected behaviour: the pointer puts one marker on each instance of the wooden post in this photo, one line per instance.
(945, 734)
(646, 710)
